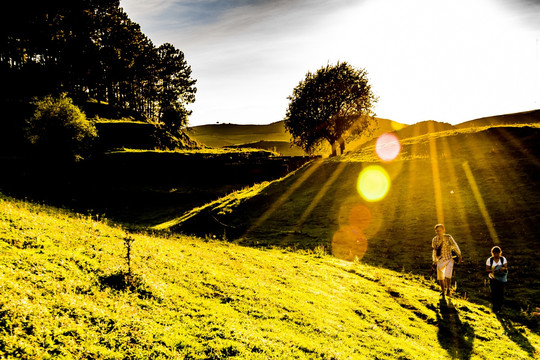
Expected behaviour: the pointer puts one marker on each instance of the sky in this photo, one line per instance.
(444, 60)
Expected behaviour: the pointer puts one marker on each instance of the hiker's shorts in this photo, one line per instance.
(444, 269)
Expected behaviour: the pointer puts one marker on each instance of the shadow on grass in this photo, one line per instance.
(122, 281)
(515, 335)
(456, 337)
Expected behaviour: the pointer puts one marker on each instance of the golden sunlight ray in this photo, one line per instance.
(457, 195)
(436, 176)
(480, 201)
(320, 194)
(312, 168)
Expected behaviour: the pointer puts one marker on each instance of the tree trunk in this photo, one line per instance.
(338, 143)
(341, 142)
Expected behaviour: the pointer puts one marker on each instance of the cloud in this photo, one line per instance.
(426, 59)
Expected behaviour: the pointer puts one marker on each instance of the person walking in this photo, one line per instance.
(497, 268)
(443, 245)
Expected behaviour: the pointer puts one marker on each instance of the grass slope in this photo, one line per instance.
(66, 294)
(481, 182)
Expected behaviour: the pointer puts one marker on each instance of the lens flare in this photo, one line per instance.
(360, 217)
(373, 183)
(349, 243)
(387, 147)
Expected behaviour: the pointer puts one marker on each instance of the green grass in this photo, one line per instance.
(65, 294)
(315, 206)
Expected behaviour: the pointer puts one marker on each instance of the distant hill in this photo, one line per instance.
(422, 128)
(220, 135)
(270, 137)
(525, 117)
(281, 147)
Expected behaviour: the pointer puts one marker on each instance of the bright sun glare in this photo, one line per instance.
(373, 183)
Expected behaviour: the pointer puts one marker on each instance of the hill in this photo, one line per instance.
(481, 182)
(525, 117)
(69, 291)
(220, 135)
(270, 137)
(143, 187)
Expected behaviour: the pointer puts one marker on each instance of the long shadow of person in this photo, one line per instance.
(515, 335)
(454, 336)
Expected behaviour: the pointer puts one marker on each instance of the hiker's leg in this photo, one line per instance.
(441, 282)
(448, 285)
(448, 276)
(500, 294)
(493, 289)
(495, 294)
(441, 271)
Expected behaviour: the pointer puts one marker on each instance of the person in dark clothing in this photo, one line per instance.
(497, 268)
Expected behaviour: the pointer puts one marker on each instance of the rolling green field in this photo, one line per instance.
(300, 267)
(482, 182)
(67, 293)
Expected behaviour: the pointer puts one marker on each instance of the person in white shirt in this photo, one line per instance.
(497, 269)
(443, 245)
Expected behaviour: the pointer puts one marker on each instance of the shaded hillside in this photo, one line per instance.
(68, 292)
(482, 182)
(143, 187)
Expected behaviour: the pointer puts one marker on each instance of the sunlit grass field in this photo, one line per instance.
(68, 291)
(482, 182)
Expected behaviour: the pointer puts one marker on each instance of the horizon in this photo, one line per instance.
(378, 117)
(448, 62)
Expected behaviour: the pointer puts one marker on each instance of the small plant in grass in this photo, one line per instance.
(128, 242)
(127, 279)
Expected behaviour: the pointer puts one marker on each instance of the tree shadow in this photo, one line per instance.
(456, 337)
(515, 335)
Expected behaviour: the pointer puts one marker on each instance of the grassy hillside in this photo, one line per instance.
(481, 182)
(143, 187)
(67, 293)
(525, 117)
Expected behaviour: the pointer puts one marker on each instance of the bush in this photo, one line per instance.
(58, 128)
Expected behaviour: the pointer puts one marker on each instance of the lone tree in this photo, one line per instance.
(327, 104)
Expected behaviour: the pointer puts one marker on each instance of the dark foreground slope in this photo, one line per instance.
(482, 182)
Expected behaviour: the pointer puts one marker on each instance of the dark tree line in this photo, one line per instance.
(90, 49)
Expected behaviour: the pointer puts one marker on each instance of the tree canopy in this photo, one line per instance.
(59, 129)
(90, 49)
(328, 103)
